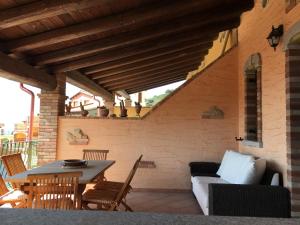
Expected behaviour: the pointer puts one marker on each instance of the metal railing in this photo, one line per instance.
(28, 149)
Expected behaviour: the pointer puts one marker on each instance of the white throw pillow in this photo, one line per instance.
(260, 168)
(223, 163)
(252, 173)
(237, 167)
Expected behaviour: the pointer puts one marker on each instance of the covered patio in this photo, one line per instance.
(239, 94)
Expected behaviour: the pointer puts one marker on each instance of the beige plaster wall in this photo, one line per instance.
(173, 135)
(255, 27)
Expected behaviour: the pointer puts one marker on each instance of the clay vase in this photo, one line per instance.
(104, 112)
(123, 112)
(138, 109)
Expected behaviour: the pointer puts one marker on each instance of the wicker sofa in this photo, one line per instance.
(225, 199)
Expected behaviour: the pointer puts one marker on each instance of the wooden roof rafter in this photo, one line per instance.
(182, 71)
(194, 22)
(144, 74)
(133, 19)
(15, 70)
(78, 79)
(38, 10)
(124, 74)
(108, 45)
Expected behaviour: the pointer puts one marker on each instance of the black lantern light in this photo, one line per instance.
(274, 36)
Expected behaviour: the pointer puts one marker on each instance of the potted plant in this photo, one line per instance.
(138, 108)
(103, 111)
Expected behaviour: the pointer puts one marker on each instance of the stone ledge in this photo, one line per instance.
(255, 144)
(85, 217)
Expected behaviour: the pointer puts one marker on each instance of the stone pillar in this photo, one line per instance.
(293, 125)
(52, 105)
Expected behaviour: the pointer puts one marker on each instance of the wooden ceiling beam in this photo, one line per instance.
(159, 76)
(145, 15)
(123, 93)
(150, 49)
(157, 83)
(163, 41)
(136, 67)
(126, 77)
(130, 20)
(191, 57)
(15, 70)
(147, 59)
(39, 10)
(102, 67)
(197, 22)
(79, 80)
(154, 85)
(99, 72)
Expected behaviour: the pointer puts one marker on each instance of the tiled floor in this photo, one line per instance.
(164, 202)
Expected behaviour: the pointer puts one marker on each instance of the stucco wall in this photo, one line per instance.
(172, 135)
(255, 27)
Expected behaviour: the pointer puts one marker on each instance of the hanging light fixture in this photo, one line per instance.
(274, 36)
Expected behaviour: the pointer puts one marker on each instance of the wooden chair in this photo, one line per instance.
(96, 154)
(110, 200)
(11, 199)
(56, 191)
(13, 164)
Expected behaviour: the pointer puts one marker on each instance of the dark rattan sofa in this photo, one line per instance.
(261, 200)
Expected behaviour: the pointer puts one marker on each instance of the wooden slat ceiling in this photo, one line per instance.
(130, 45)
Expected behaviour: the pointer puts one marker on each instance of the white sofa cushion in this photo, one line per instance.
(256, 172)
(236, 167)
(200, 189)
(223, 165)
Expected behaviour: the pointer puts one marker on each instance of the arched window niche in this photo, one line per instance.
(253, 102)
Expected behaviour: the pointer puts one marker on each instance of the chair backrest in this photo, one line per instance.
(95, 154)
(3, 188)
(57, 191)
(126, 185)
(13, 164)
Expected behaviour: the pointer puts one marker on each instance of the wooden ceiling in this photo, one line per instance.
(130, 45)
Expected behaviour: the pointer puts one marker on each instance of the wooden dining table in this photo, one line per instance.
(93, 169)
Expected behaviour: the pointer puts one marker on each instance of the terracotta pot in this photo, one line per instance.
(104, 112)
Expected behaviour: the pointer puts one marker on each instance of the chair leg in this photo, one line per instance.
(85, 206)
(127, 207)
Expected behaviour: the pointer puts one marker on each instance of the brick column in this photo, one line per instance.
(52, 105)
(128, 102)
(293, 125)
(110, 106)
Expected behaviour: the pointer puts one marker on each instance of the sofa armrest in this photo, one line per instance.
(249, 200)
(204, 169)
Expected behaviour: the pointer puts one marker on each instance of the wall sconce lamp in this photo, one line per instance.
(274, 36)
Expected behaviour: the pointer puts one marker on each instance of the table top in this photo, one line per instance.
(93, 169)
(85, 217)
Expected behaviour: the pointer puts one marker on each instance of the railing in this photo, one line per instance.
(28, 149)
